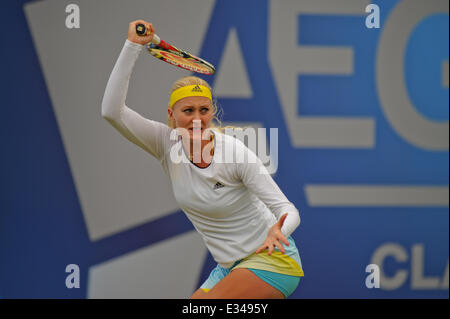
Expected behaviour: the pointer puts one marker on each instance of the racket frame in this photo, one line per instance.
(158, 48)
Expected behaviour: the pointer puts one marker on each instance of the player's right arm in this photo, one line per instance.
(147, 134)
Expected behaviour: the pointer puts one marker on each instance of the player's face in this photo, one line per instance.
(192, 108)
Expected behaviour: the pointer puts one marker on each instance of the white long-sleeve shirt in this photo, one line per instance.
(232, 205)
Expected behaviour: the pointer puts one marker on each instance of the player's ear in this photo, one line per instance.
(171, 113)
(170, 118)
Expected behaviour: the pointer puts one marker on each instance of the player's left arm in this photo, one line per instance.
(255, 176)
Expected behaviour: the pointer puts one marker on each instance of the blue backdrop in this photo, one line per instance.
(42, 227)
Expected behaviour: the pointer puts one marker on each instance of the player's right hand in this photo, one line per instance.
(140, 39)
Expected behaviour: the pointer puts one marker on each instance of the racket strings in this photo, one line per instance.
(181, 59)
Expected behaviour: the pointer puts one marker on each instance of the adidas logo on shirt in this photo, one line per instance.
(196, 89)
(218, 185)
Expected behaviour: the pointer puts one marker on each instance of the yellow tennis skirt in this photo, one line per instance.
(282, 271)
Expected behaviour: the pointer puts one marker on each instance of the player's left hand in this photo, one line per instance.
(274, 238)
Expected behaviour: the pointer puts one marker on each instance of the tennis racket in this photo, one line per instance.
(170, 54)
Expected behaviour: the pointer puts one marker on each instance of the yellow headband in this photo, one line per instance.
(190, 90)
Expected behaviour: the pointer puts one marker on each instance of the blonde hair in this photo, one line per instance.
(193, 80)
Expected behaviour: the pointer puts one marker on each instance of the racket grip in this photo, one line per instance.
(141, 30)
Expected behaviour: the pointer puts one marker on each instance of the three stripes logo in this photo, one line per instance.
(197, 89)
(218, 185)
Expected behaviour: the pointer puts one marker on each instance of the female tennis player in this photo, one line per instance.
(240, 212)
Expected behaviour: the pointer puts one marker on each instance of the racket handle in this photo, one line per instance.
(141, 30)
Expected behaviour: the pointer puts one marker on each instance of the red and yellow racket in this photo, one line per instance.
(170, 54)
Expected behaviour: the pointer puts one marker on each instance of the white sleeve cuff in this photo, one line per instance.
(135, 46)
(291, 222)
